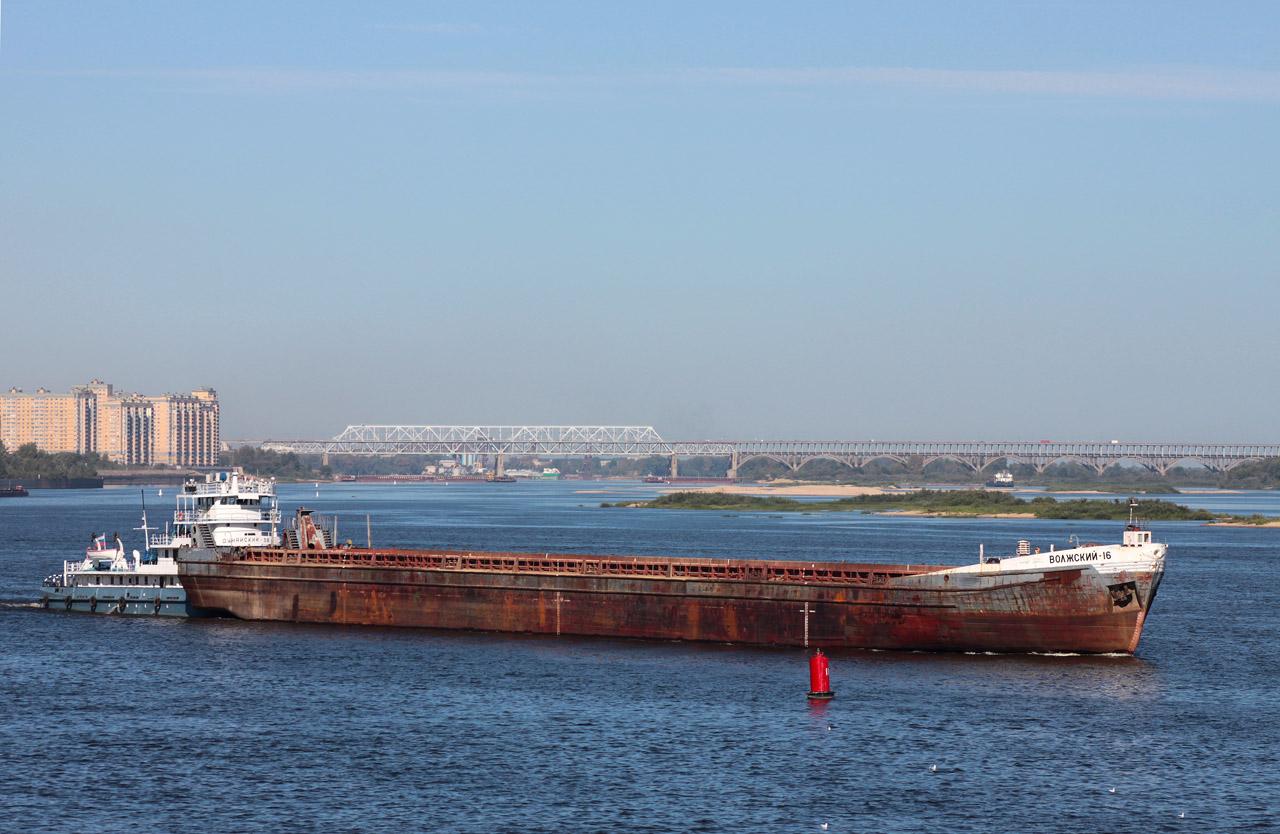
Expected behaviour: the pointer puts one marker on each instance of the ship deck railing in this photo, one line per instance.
(320, 522)
(251, 486)
(77, 566)
(201, 516)
(554, 563)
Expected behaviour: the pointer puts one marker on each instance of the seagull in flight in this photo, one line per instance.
(824, 825)
(1111, 790)
(933, 768)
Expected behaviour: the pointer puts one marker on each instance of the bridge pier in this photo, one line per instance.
(733, 464)
(324, 459)
(675, 467)
(498, 471)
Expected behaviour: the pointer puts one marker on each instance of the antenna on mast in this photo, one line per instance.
(146, 535)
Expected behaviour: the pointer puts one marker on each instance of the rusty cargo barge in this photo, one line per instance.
(1089, 599)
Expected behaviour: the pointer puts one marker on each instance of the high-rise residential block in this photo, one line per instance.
(175, 429)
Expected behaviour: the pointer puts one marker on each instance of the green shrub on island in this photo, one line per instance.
(1101, 510)
(720, 501)
(988, 500)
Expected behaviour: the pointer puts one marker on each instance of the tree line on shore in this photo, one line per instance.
(28, 461)
(1061, 477)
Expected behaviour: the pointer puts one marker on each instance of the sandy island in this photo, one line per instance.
(843, 490)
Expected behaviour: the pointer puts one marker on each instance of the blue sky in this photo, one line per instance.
(726, 220)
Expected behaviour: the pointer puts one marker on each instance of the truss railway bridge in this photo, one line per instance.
(643, 441)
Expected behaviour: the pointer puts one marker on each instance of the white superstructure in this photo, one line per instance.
(226, 510)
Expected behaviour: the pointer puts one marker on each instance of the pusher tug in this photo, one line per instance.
(224, 510)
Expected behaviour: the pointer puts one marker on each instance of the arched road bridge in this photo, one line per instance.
(644, 441)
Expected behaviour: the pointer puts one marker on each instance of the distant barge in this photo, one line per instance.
(1090, 599)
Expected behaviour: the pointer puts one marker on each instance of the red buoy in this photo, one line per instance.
(819, 678)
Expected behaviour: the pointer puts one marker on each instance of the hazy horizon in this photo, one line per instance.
(727, 221)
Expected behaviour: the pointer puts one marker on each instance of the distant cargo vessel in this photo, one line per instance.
(1089, 599)
(1003, 478)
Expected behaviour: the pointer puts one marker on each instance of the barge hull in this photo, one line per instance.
(895, 607)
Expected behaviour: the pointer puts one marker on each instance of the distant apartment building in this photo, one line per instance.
(175, 429)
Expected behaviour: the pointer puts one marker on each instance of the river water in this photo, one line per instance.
(136, 724)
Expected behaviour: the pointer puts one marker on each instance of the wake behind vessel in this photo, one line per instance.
(1089, 599)
(224, 510)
